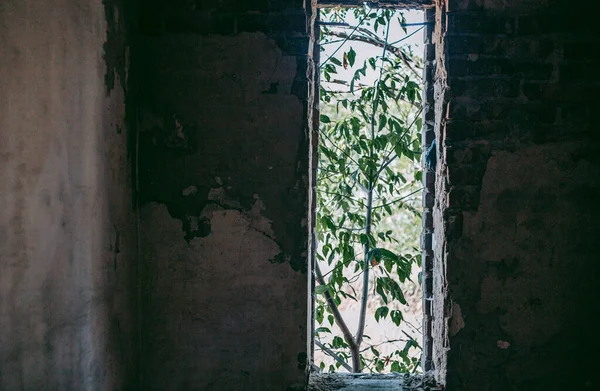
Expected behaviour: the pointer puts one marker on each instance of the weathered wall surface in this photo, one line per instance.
(66, 222)
(516, 214)
(223, 163)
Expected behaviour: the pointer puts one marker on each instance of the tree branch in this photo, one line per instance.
(397, 199)
(339, 320)
(362, 86)
(376, 42)
(359, 202)
(384, 342)
(338, 148)
(332, 354)
(387, 163)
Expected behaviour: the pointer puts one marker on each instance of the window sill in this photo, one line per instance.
(364, 381)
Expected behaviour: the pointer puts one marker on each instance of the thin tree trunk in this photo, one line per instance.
(339, 320)
(365, 292)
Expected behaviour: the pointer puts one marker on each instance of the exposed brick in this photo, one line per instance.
(576, 114)
(544, 113)
(500, 46)
(536, 24)
(426, 241)
(533, 70)
(537, 48)
(288, 21)
(457, 130)
(428, 261)
(466, 174)
(533, 91)
(545, 95)
(580, 50)
(427, 219)
(553, 23)
(429, 92)
(538, 134)
(429, 179)
(293, 44)
(481, 67)
(428, 73)
(428, 112)
(578, 72)
(251, 22)
(464, 197)
(484, 88)
(453, 224)
(426, 303)
(496, 109)
(470, 110)
(429, 52)
(428, 135)
(474, 153)
(457, 44)
(428, 199)
(200, 23)
(479, 23)
(559, 92)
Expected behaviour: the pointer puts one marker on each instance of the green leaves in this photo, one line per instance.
(369, 149)
(322, 330)
(320, 289)
(339, 342)
(388, 286)
(381, 312)
(335, 61)
(382, 121)
(351, 55)
(396, 316)
(327, 221)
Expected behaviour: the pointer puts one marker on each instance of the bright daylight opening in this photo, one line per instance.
(368, 300)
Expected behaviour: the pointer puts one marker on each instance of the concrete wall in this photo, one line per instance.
(223, 162)
(516, 218)
(67, 231)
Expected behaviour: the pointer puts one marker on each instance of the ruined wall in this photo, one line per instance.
(67, 232)
(517, 188)
(223, 164)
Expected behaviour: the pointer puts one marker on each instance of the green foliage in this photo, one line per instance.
(370, 137)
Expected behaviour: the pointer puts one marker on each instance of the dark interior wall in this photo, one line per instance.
(67, 230)
(517, 189)
(223, 163)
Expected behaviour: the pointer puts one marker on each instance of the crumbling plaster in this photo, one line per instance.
(515, 219)
(225, 302)
(526, 276)
(223, 161)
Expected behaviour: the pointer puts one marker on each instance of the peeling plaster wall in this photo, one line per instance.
(67, 231)
(223, 167)
(516, 218)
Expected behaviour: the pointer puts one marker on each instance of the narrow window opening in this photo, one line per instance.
(371, 206)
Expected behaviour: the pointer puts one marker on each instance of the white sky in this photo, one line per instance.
(364, 51)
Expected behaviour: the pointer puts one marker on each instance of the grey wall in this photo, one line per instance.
(516, 219)
(67, 241)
